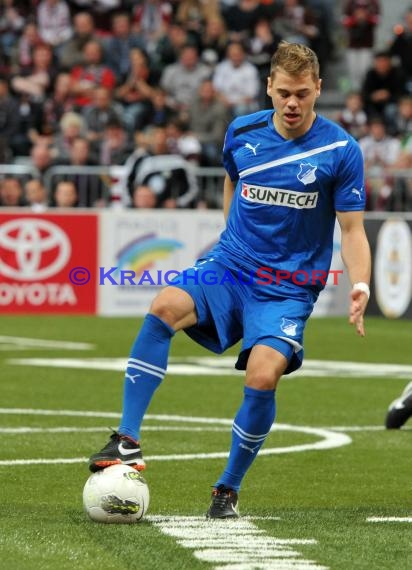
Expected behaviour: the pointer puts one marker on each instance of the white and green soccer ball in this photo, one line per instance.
(117, 494)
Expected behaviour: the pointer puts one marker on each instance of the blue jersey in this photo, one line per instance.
(286, 196)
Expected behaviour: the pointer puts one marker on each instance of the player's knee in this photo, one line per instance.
(174, 308)
(262, 380)
(163, 310)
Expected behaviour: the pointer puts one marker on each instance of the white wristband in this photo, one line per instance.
(364, 287)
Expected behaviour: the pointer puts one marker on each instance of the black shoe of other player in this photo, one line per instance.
(224, 504)
(400, 410)
(120, 450)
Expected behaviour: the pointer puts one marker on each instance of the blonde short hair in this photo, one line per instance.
(295, 59)
(71, 119)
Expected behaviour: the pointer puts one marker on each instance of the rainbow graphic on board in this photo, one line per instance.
(142, 253)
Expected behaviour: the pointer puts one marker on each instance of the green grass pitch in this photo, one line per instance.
(325, 496)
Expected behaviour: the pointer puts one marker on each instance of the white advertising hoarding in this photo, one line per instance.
(334, 299)
(141, 250)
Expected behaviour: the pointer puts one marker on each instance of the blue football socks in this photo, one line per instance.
(251, 426)
(145, 370)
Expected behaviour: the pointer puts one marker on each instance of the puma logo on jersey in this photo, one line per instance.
(251, 147)
(357, 192)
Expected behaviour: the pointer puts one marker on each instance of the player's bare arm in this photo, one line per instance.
(228, 189)
(357, 258)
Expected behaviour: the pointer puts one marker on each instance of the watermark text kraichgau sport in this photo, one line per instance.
(264, 276)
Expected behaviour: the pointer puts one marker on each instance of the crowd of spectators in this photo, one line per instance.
(152, 85)
(378, 108)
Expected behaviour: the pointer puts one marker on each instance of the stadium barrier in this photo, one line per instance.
(109, 183)
(21, 171)
(106, 184)
(387, 189)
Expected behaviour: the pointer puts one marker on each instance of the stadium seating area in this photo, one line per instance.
(126, 102)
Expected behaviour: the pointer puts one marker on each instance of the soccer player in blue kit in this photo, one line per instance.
(290, 174)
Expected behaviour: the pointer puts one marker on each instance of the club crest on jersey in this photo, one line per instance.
(306, 174)
(288, 327)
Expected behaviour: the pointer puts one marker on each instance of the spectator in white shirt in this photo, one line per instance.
(54, 23)
(181, 80)
(237, 81)
(380, 152)
(379, 149)
(35, 194)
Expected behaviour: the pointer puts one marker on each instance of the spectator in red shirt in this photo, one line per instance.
(85, 78)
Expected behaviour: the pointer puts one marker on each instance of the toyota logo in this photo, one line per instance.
(32, 249)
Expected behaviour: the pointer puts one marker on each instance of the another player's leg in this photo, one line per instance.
(251, 426)
(400, 409)
(172, 310)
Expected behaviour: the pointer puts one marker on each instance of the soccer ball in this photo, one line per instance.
(117, 494)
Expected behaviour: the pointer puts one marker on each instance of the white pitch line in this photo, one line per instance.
(35, 430)
(22, 342)
(100, 429)
(279, 564)
(68, 413)
(243, 554)
(390, 519)
(189, 519)
(164, 417)
(259, 541)
(234, 544)
(105, 415)
(329, 443)
(184, 533)
(224, 366)
(355, 428)
(119, 365)
(58, 461)
(329, 439)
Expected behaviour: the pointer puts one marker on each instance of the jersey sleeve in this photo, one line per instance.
(350, 192)
(228, 161)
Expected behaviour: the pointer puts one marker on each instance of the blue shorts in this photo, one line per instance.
(231, 307)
